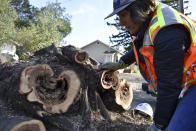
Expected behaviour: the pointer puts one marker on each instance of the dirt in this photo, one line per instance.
(120, 122)
(126, 121)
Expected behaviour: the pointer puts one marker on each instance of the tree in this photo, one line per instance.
(26, 12)
(51, 26)
(53, 16)
(123, 38)
(173, 3)
(7, 17)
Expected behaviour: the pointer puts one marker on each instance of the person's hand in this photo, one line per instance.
(153, 128)
(113, 65)
(110, 66)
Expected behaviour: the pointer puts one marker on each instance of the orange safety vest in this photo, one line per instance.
(162, 17)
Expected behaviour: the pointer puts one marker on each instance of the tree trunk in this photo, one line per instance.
(57, 84)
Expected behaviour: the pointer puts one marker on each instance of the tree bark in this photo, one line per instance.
(53, 86)
(76, 55)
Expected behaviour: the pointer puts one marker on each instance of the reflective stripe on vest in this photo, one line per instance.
(162, 17)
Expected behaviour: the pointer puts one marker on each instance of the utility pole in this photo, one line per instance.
(181, 3)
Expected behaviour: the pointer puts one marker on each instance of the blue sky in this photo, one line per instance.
(87, 19)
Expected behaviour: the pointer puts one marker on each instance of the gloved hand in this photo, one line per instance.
(114, 65)
(153, 128)
(147, 89)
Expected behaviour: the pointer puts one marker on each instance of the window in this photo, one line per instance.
(108, 58)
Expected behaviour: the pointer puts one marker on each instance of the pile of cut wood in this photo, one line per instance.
(59, 89)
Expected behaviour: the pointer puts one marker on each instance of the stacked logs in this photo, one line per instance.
(55, 84)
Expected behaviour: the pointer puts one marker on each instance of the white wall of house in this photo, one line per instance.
(97, 50)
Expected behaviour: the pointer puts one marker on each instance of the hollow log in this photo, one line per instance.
(124, 94)
(110, 79)
(31, 125)
(116, 94)
(52, 87)
(77, 55)
(56, 94)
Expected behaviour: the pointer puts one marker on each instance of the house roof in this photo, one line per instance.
(98, 41)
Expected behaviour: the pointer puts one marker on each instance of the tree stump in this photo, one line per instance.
(54, 86)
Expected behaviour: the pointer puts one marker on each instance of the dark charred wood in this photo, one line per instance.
(47, 51)
(108, 98)
(12, 122)
(86, 112)
(57, 123)
(51, 87)
(76, 55)
(103, 109)
(93, 63)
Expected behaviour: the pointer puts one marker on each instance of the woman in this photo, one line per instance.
(165, 50)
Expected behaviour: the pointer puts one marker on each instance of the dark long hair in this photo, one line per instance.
(140, 10)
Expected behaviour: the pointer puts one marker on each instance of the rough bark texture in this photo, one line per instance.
(52, 87)
(53, 91)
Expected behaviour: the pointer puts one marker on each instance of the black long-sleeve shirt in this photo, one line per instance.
(170, 44)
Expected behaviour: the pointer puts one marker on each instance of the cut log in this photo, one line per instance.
(56, 94)
(32, 125)
(72, 85)
(11, 122)
(109, 83)
(77, 55)
(124, 95)
(52, 87)
(110, 79)
(31, 77)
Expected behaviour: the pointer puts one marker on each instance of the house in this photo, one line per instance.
(102, 52)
